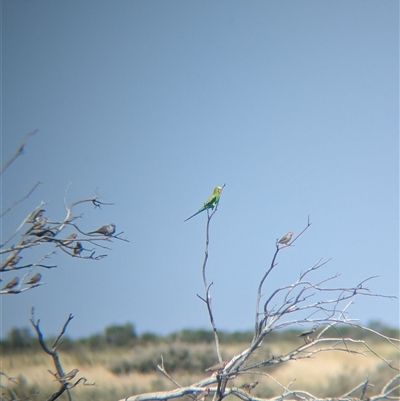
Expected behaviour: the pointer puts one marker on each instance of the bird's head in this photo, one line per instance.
(217, 190)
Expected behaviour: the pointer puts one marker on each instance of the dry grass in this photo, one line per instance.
(328, 374)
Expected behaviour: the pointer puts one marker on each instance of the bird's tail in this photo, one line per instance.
(192, 216)
(199, 211)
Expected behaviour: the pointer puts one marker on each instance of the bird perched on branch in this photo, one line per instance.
(306, 334)
(249, 386)
(11, 284)
(37, 225)
(34, 279)
(210, 203)
(35, 216)
(14, 261)
(78, 248)
(46, 234)
(11, 261)
(69, 240)
(286, 238)
(217, 368)
(105, 230)
(203, 394)
(69, 376)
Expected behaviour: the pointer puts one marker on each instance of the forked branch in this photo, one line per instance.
(305, 302)
(65, 379)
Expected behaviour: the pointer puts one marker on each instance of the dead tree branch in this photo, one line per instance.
(207, 298)
(37, 229)
(27, 195)
(63, 378)
(387, 393)
(302, 303)
(19, 151)
(42, 231)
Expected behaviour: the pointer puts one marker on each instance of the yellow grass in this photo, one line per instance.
(327, 374)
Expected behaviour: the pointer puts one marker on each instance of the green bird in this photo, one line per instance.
(210, 203)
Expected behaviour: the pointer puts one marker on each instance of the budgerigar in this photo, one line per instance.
(210, 203)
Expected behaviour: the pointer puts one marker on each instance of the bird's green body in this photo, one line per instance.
(210, 203)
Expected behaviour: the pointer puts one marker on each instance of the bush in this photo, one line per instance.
(177, 357)
(120, 335)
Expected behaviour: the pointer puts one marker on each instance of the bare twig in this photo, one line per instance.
(259, 325)
(207, 298)
(62, 332)
(328, 312)
(386, 393)
(47, 233)
(51, 352)
(60, 376)
(19, 228)
(29, 193)
(12, 379)
(18, 152)
(161, 368)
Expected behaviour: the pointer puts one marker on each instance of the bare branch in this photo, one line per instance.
(245, 396)
(12, 379)
(292, 307)
(62, 332)
(43, 231)
(18, 152)
(63, 378)
(51, 352)
(362, 386)
(259, 325)
(15, 203)
(18, 290)
(161, 368)
(24, 221)
(207, 299)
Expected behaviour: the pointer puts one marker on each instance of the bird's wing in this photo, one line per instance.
(211, 201)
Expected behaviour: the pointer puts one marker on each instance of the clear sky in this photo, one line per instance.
(293, 104)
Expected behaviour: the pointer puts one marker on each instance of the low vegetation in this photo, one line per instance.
(120, 362)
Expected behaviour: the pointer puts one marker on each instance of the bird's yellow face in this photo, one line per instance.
(217, 190)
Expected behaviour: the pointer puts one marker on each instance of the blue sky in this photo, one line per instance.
(294, 105)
